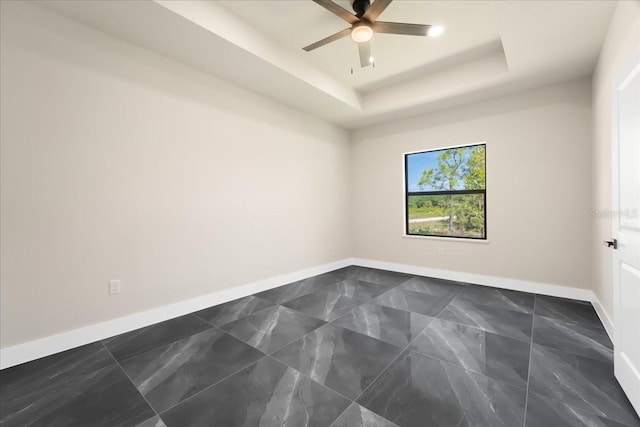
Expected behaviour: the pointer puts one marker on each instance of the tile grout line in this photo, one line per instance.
(353, 401)
(188, 398)
(131, 381)
(372, 301)
(526, 398)
(574, 353)
(281, 305)
(239, 318)
(402, 352)
(469, 371)
(161, 346)
(253, 363)
(297, 339)
(215, 383)
(311, 379)
(265, 354)
(273, 303)
(327, 322)
(4, 417)
(482, 329)
(405, 350)
(590, 412)
(571, 353)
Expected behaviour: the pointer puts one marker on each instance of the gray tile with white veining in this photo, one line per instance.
(433, 286)
(357, 416)
(416, 302)
(545, 412)
(568, 310)
(302, 287)
(502, 358)
(343, 360)
(420, 391)
(233, 310)
(373, 275)
(160, 334)
(170, 374)
(186, 360)
(388, 324)
(152, 422)
(573, 337)
(500, 298)
(272, 328)
(583, 382)
(104, 397)
(492, 319)
(265, 394)
(336, 300)
(51, 371)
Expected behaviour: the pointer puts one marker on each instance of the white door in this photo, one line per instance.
(626, 227)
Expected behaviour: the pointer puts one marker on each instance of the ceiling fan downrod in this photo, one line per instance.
(360, 7)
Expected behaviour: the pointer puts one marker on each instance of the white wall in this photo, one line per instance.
(538, 151)
(121, 164)
(622, 38)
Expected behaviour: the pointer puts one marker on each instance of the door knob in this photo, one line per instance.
(612, 243)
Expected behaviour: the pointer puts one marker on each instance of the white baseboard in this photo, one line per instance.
(36, 349)
(603, 315)
(499, 282)
(479, 279)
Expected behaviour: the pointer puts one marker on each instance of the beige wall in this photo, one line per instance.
(120, 164)
(538, 151)
(623, 37)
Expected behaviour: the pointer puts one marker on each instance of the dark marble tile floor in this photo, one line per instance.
(353, 347)
(417, 390)
(414, 302)
(273, 328)
(343, 360)
(388, 324)
(204, 359)
(337, 299)
(496, 356)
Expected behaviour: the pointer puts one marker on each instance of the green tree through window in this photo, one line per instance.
(446, 192)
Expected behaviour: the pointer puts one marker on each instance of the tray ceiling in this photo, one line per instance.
(489, 48)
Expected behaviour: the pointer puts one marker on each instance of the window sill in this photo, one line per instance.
(447, 239)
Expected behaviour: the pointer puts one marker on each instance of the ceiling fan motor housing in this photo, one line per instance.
(363, 24)
(360, 7)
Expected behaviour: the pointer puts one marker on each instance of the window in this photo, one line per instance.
(445, 192)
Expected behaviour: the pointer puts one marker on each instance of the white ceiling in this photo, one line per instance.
(489, 48)
(294, 24)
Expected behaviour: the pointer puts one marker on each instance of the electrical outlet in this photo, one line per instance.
(115, 287)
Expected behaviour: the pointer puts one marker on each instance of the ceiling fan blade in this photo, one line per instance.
(376, 9)
(327, 40)
(400, 28)
(364, 49)
(338, 10)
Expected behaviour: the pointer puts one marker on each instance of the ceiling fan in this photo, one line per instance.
(364, 24)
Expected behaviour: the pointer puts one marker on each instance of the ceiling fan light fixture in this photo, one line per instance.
(435, 31)
(364, 23)
(361, 33)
